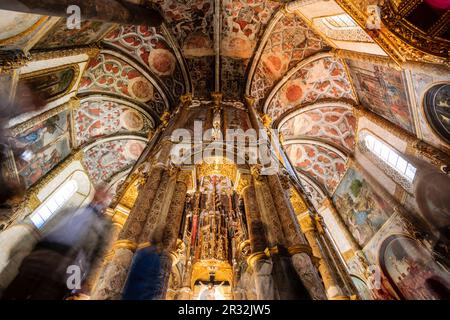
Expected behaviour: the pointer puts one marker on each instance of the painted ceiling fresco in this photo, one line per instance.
(96, 119)
(109, 74)
(149, 47)
(321, 79)
(142, 71)
(290, 41)
(324, 165)
(105, 159)
(336, 125)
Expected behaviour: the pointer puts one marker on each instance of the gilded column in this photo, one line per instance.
(260, 263)
(309, 229)
(174, 218)
(341, 226)
(118, 218)
(255, 227)
(295, 241)
(115, 270)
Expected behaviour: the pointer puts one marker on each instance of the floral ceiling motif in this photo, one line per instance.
(99, 118)
(333, 124)
(149, 47)
(324, 165)
(242, 24)
(290, 41)
(107, 73)
(108, 158)
(325, 78)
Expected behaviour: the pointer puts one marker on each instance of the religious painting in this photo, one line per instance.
(40, 148)
(202, 74)
(363, 211)
(47, 86)
(382, 90)
(35, 165)
(412, 270)
(437, 109)
(60, 36)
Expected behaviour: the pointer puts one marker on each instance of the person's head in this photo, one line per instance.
(156, 237)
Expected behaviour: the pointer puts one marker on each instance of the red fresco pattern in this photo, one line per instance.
(326, 166)
(290, 42)
(332, 124)
(321, 79)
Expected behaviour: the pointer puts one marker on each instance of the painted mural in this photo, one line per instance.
(332, 124)
(42, 147)
(60, 36)
(106, 73)
(362, 210)
(321, 79)
(437, 109)
(97, 118)
(47, 86)
(412, 269)
(108, 158)
(232, 77)
(290, 41)
(323, 164)
(382, 90)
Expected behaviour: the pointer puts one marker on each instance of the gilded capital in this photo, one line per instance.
(244, 182)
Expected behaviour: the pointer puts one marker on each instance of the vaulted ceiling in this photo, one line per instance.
(264, 49)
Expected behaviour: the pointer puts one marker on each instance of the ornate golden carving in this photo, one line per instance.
(297, 202)
(255, 257)
(225, 169)
(165, 118)
(244, 181)
(250, 101)
(186, 99)
(125, 244)
(300, 248)
(201, 270)
(266, 120)
(395, 20)
(90, 51)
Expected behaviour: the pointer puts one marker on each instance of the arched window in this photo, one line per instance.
(54, 203)
(399, 169)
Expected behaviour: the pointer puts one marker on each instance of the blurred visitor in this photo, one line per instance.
(73, 244)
